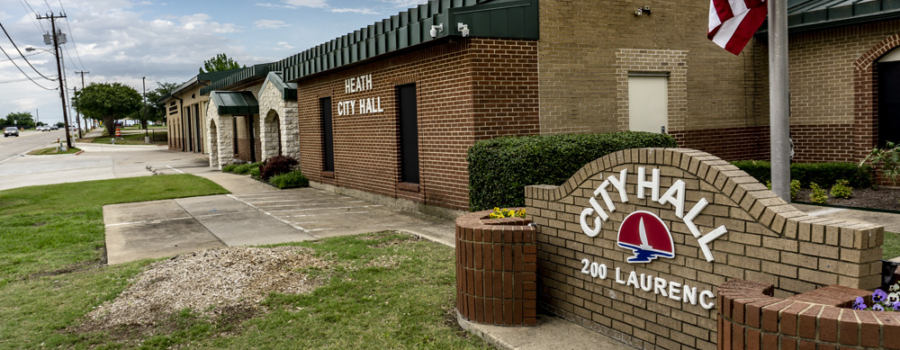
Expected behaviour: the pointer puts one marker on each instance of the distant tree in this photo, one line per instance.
(107, 102)
(39, 124)
(219, 63)
(60, 125)
(20, 119)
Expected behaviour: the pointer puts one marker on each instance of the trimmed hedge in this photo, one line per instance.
(500, 168)
(824, 174)
(291, 179)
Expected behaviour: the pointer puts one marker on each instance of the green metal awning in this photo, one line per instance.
(808, 15)
(235, 102)
(502, 19)
(239, 76)
(288, 90)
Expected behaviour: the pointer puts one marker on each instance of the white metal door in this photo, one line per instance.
(648, 101)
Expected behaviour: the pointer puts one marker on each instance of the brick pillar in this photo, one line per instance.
(496, 270)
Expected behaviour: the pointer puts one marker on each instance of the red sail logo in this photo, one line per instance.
(647, 235)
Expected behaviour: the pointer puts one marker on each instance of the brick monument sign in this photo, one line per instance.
(636, 243)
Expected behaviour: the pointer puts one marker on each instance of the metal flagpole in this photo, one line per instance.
(779, 100)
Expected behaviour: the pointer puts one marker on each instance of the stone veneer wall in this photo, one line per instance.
(219, 137)
(768, 241)
(270, 101)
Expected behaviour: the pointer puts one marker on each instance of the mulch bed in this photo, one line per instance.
(883, 198)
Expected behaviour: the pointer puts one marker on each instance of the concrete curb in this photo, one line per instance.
(489, 337)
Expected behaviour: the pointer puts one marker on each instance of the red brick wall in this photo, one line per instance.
(750, 318)
(466, 90)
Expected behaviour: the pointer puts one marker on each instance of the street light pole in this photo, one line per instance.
(62, 90)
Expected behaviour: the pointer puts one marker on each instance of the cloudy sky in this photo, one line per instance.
(163, 40)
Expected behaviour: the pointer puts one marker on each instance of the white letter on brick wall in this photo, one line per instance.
(705, 240)
(652, 185)
(689, 219)
(584, 226)
(675, 195)
(703, 296)
(620, 184)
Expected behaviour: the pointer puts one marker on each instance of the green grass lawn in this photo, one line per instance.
(52, 151)
(384, 290)
(132, 139)
(891, 247)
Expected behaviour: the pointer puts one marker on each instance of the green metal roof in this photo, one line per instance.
(210, 76)
(288, 90)
(505, 19)
(807, 15)
(235, 102)
(242, 75)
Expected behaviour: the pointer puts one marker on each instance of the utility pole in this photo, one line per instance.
(62, 90)
(779, 100)
(78, 115)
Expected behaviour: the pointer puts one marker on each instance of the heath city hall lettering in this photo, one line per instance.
(363, 105)
(647, 235)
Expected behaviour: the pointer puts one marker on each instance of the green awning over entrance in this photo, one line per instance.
(235, 102)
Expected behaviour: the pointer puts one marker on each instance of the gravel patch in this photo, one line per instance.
(211, 283)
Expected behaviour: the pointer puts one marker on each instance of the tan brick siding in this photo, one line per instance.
(768, 241)
(577, 55)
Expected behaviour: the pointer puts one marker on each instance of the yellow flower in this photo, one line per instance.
(521, 213)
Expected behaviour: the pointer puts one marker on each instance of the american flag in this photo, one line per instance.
(733, 22)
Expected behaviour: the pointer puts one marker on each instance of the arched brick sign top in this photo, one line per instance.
(622, 280)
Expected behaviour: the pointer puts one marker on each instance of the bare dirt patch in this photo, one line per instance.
(212, 284)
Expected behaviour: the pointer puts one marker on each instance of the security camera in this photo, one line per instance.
(463, 29)
(435, 30)
(638, 12)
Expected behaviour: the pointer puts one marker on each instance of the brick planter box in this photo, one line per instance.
(496, 270)
(750, 318)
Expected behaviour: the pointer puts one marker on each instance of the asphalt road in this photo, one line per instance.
(12, 147)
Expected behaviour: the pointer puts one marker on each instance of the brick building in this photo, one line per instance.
(186, 113)
(526, 67)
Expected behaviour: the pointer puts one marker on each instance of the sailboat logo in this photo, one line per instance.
(647, 235)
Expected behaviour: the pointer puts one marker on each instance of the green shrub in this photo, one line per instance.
(500, 168)
(276, 165)
(230, 168)
(292, 179)
(245, 168)
(795, 188)
(254, 173)
(820, 173)
(818, 195)
(888, 158)
(841, 189)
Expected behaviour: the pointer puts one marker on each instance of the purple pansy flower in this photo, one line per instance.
(878, 307)
(897, 306)
(879, 295)
(859, 306)
(858, 301)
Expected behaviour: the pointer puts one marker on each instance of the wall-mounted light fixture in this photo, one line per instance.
(463, 29)
(436, 29)
(642, 10)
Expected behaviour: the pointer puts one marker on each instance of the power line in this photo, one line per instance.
(20, 52)
(36, 53)
(23, 72)
(28, 8)
(15, 81)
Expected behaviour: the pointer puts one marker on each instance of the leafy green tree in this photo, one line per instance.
(60, 125)
(107, 102)
(39, 124)
(219, 63)
(20, 119)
